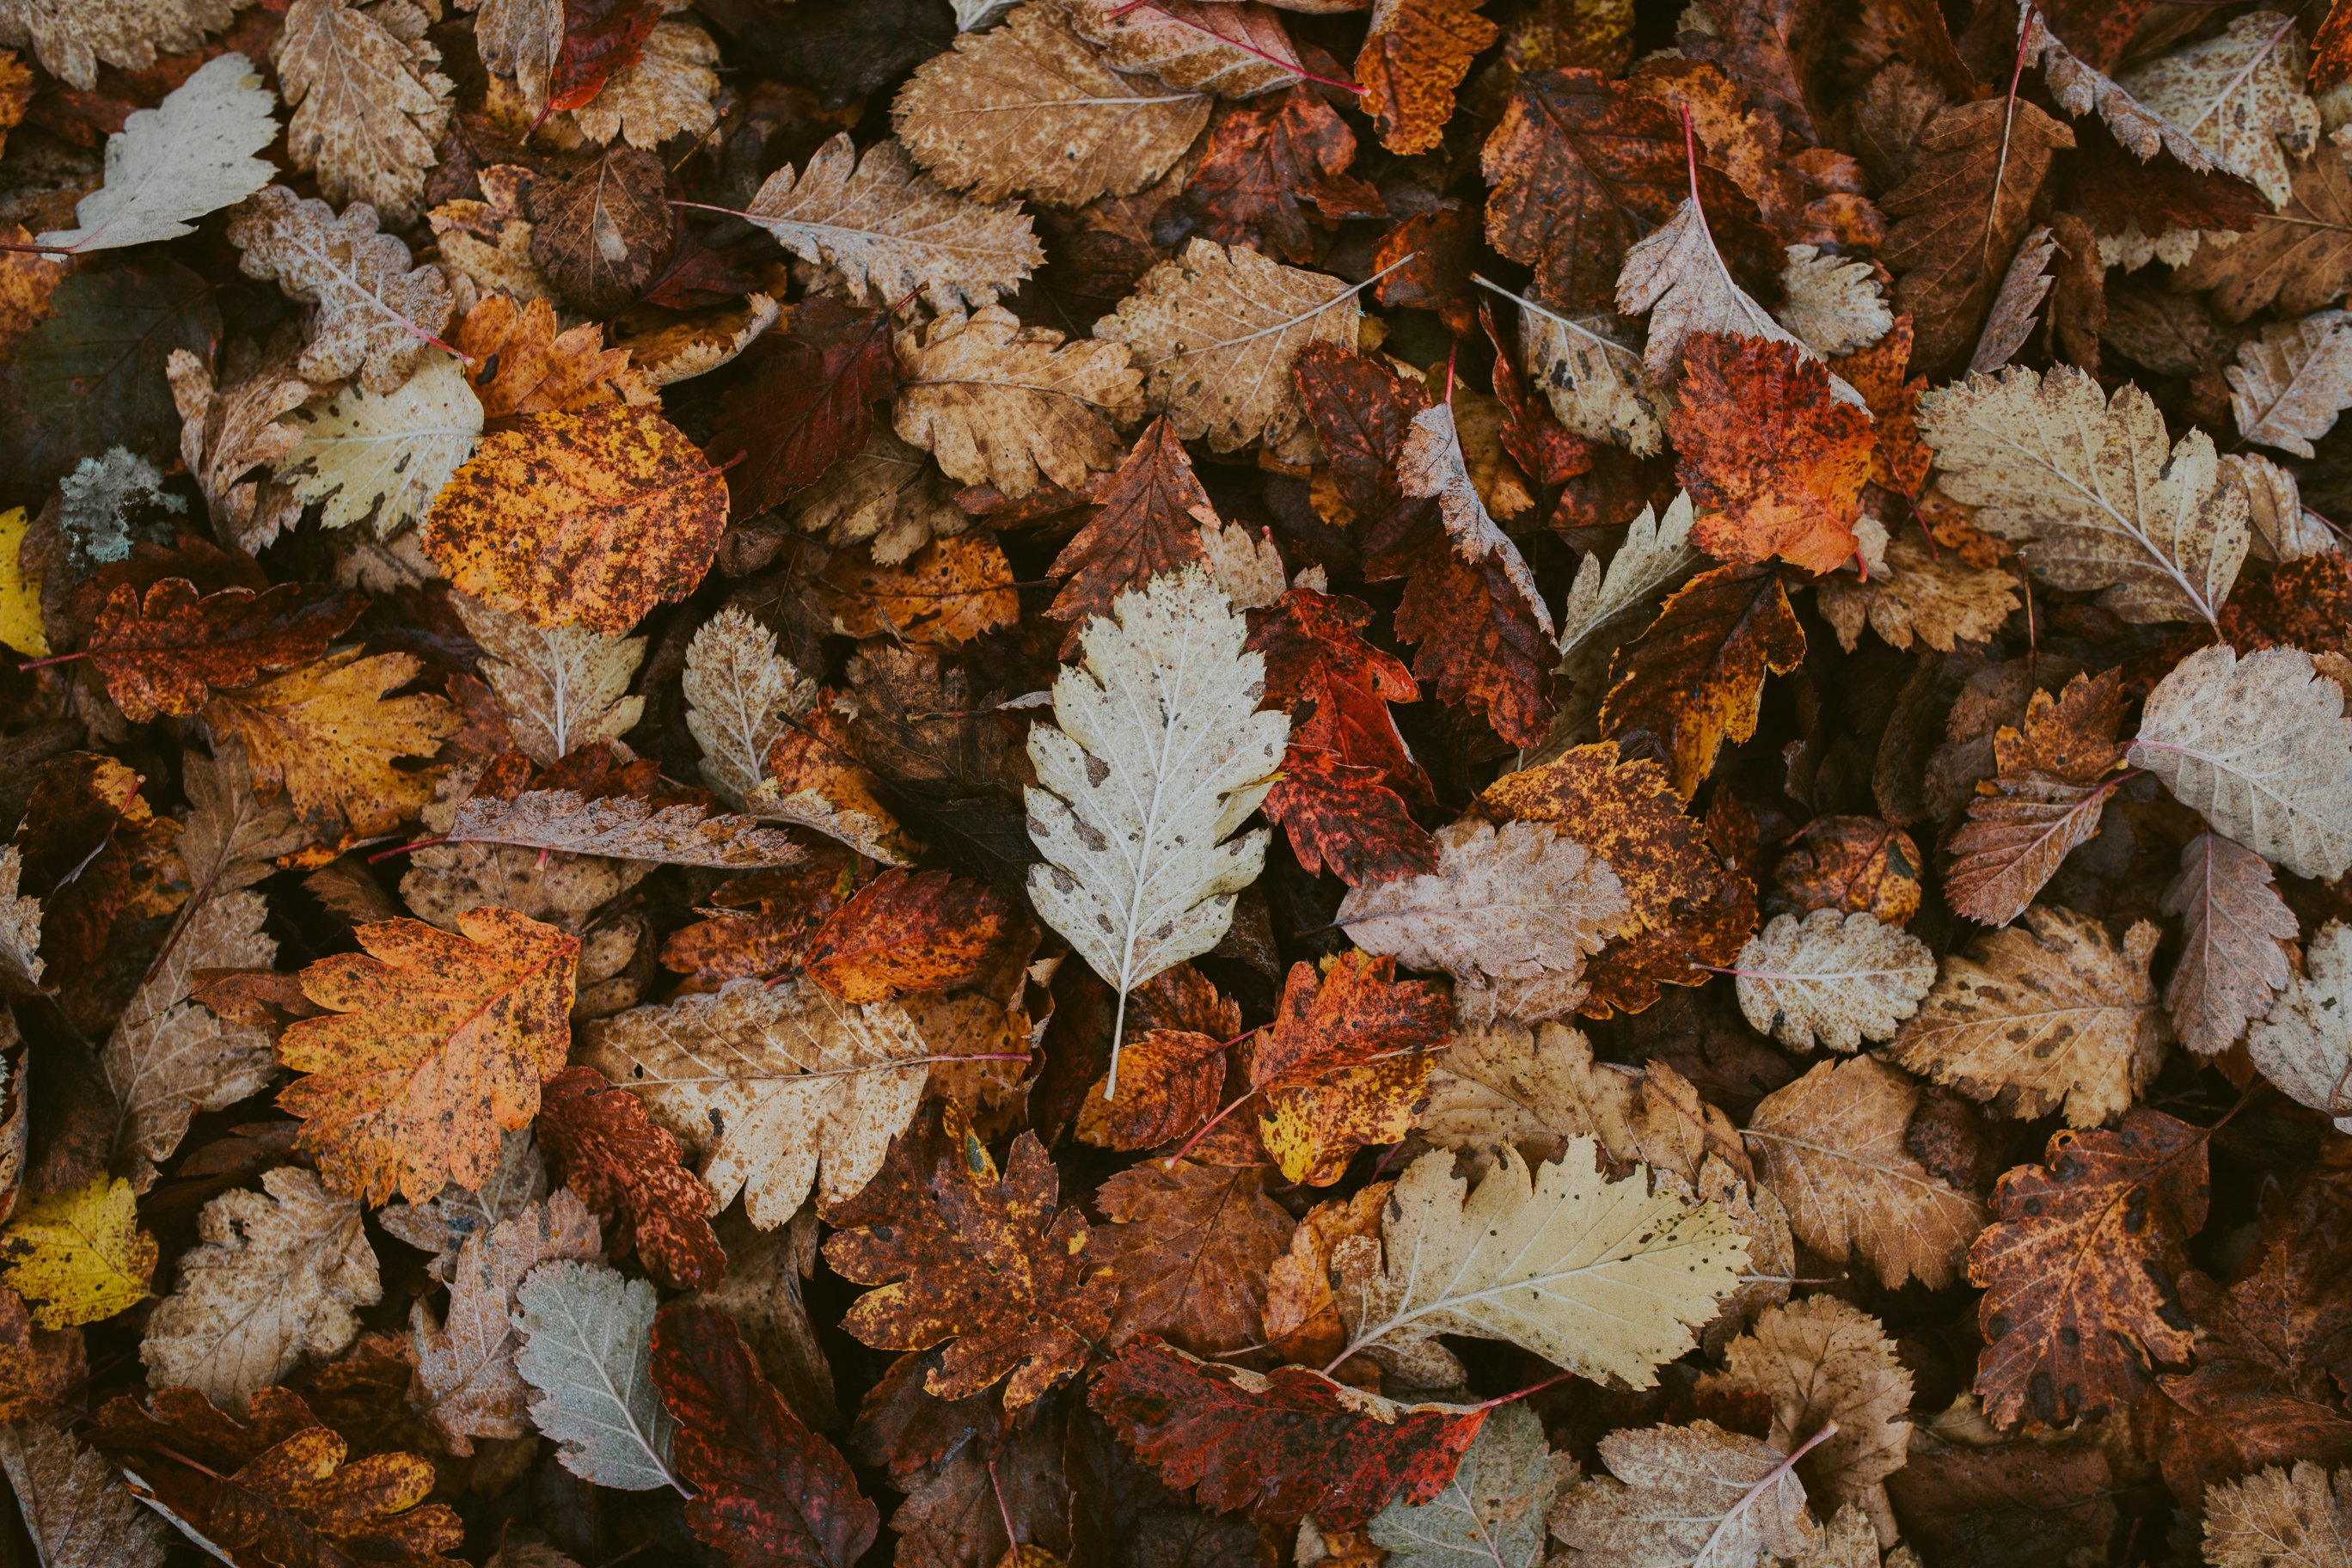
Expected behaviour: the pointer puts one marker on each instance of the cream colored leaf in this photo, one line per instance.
(1492, 1513)
(1850, 1541)
(2291, 381)
(2093, 488)
(668, 90)
(563, 688)
(1831, 1147)
(522, 39)
(2239, 97)
(2261, 748)
(21, 964)
(169, 165)
(168, 1057)
(1601, 1278)
(466, 1363)
(445, 880)
(1597, 387)
(886, 228)
(1431, 467)
(2304, 1043)
(1939, 600)
(2045, 1015)
(74, 1504)
(71, 37)
(375, 311)
(384, 458)
(1693, 1497)
(1511, 913)
(1030, 109)
(998, 403)
(587, 1349)
(2079, 89)
(1245, 567)
(1832, 979)
(889, 493)
(2283, 530)
(1156, 754)
(1818, 1361)
(1833, 303)
(1215, 332)
(740, 697)
(370, 102)
(2281, 1518)
(2013, 316)
(229, 431)
(622, 827)
(2237, 938)
(1235, 50)
(274, 1280)
(776, 1090)
(1656, 556)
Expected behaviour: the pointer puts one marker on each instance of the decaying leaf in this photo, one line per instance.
(1695, 1491)
(1832, 979)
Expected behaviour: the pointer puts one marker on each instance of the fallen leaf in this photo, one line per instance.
(465, 1362)
(1344, 1065)
(587, 1351)
(1698, 669)
(601, 233)
(369, 101)
(1938, 601)
(166, 653)
(599, 1142)
(2279, 1514)
(1190, 1246)
(377, 314)
(1273, 175)
(809, 405)
(2237, 943)
(2045, 799)
(1745, 405)
(1415, 54)
(999, 402)
(73, 1504)
(909, 933)
(1495, 1508)
(2301, 1045)
(2266, 120)
(519, 363)
(382, 459)
(190, 155)
(1832, 979)
(78, 1256)
(1696, 1491)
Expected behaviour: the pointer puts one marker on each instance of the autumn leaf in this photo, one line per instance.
(809, 405)
(1150, 520)
(2297, 258)
(2237, 941)
(586, 1352)
(1344, 1065)
(908, 932)
(1820, 1362)
(78, 1256)
(1415, 54)
(72, 1503)
(2080, 1265)
(164, 652)
(190, 155)
(599, 1140)
(2301, 1044)
(1190, 1246)
(2045, 799)
(2278, 1514)
(951, 591)
(377, 314)
(522, 364)
(1495, 1507)
(433, 1043)
(1694, 679)
(1915, 598)
(1716, 1496)
(1337, 686)
(369, 101)
(601, 235)
(1745, 405)
(963, 1254)
(1832, 979)
(382, 459)
(1282, 1445)
(998, 403)
(624, 512)
(600, 38)
(465, 1362)
(1274, 173)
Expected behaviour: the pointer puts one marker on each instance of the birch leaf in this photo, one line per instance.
(1156, 754)
(587, 1348)
(1832, 979)
(383, 457)
(741, 695)
(2291, 383)
(190, 154)
(2237, 938)
(275, 1279)
(2261, 748)
(2304, 1044)
(1599, 1277)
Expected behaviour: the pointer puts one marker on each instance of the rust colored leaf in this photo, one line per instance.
(1694, 679)
(1169, 1081)
(2044, 799)
(1337, 686)
(1283, 1445)
(1361, 411)
(909, 931)
(1191, 1246)
(1424, 263)
(522, 364)
(1347, 820)
(1849, 863)
(805, 401)
(762, 922)
(1481, 644)
(436, 1042)
(2304, 603)
(991, 1262)
(2080, 1266)
(1623, 810)
(1147, 523)
(1345, 1064)
(40, 1368)
(768, 1492)
(1900, 459)
(1773, 462)
(948, 591)
(599, 1142)
(1276, 170)
(1415, 54)
(164, 654)
(600, 38)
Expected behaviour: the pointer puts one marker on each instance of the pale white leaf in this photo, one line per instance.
(192, 153)
(1833, 978)
(588, 1349)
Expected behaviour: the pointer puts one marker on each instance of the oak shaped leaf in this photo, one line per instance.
(909, 931)
(434, 1042)
(70, 40)
(963, 1254)
(370, 104)
(600, 1144)
(1345, 1063)
(164, 653)
(594, 518)
(1914, 598)
(376, 313)
(2080, 1268)
(1694, 677)
(1774, 464)
(1282, 1445)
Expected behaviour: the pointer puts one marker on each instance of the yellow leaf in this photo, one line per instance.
(20, 595)
(79, 1256)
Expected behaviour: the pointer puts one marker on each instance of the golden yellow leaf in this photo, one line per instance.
(20, 592)
(78, 1256)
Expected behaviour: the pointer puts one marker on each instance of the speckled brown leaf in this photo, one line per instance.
(1415, 55)
(1190, 1246)
(376, 313)
(522, 364)
(1694, 679)
(909, 931)
(600, 1144)
(369, 100)
(601, 233)
(2237, 941)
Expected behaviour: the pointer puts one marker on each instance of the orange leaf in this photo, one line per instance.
(1695, 677)
(1346, 1063)
(1415, 54)
(1774, 464)
(909, 931)
(602, 1144)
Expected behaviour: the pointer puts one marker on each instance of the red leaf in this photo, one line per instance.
(1774, 462)
(1532, 433)
(1337, 686)
(1149, 522)
(768, 1492)
(1346, 819)
(1361, 411)
(600, 38)
(1273, 167)
(1434, 254)
(601, 1143)
(805, 402)
(909, 931)
(1283, 1446)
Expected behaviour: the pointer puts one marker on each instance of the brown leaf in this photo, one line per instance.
(1851, 863)
(1774, 463)
(1345, 1064)
(377, 315)
(1191, 1246)
(1623, 810)
(950, 591)
(164, 654)
(1694, 679)
(1415, 54)
(1275, 173)
(600, 1144)
(2045, 799)
(602, 233)
(909, 931)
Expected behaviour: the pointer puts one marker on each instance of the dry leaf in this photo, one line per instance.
(2291, 383)
(1696, 1493)
(2303, 1045)
(1002, 404)
(369, 101)
(376, 314)
(2237, 943)
(1832, 979)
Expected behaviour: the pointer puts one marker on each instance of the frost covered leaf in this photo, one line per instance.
(1595, 1276)
(1939, 600)
(375, 311)
(2045, 1015)
(2304, 1043)
(775, 1090)
(73, 1503)
(998, 403)
(1832, 979)
(587, 1349)
(1822, 1360)
(275, 1279)
(2279, 1516)
(1492, 1513)
(1030, 109)
(169, 165)
(1156, 754)
(1831, 1146)
(2239, 96)
(2262, 749)
(2093, 488)
(1215, 333)
(1512, 913)
(886, 228)
(2237, 938)
(563, 688)
(1694, 1494)
(740, 696)
(2291, 383)
(381, 457)
(370, 103)
(466, 1362)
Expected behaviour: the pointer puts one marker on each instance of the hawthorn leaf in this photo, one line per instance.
(2237, 942)
(1694, 1493)
(465, 1362)
(1832, 979)
(1494, 1510)
(73, 1504)
(587, 1349)
(189, 155)
(2303, 1045)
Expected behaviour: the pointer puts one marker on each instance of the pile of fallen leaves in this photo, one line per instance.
(1175, 783)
